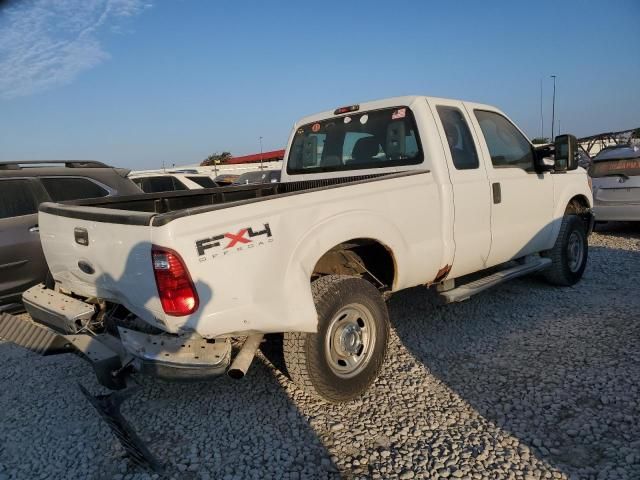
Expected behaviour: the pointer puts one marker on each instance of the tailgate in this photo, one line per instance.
(617, 189)
(103, 253)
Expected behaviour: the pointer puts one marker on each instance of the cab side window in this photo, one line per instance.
(164, 183)
(463, 150)
(61, 189)
(507, 146)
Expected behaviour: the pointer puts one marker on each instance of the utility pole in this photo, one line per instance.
(261, 167)
(541, 112)
(553, 107)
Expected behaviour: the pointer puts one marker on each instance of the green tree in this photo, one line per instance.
(216, 159)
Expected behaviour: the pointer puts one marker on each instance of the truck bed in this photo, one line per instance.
(158, 209)
(103, 247)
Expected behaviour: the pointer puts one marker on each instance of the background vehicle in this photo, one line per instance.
(23, 186)
(172, 181)
(584, 159)
(374, 198)
(615, 174)
(225, 179)
(260, 176)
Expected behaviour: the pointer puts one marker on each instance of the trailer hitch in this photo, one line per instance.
(108, 406)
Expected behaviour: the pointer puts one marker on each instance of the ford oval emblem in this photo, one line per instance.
(86, 267)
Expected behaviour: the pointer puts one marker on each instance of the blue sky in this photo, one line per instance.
(138, 82)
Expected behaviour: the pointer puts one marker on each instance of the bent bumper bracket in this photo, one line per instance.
(108, 406)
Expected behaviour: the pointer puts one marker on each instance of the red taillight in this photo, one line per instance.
(176, 290)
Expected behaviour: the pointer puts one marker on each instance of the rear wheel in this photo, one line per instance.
(569, 254)
(341, 360)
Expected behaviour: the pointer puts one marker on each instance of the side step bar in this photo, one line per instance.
(106, 363)
(466, 291)
(31, 335)
(40, 339)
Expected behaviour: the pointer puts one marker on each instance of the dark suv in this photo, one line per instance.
(23, 186)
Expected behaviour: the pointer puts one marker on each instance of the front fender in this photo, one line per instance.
(567, 186)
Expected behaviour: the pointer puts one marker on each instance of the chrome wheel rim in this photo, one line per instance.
(575, 251)
(350, 340)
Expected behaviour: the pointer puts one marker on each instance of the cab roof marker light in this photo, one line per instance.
(350, 108)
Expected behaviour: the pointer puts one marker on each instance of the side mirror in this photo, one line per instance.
(566, 153)
(543, 160)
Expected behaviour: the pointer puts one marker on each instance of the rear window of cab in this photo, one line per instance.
(360, 140)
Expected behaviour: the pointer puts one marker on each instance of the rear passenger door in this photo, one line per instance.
(471, 193)
(22, 262)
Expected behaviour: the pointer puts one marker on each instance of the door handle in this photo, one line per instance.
(34, 229)
(497, 192)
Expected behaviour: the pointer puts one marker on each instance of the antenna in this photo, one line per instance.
(553, 108)
(261, 167)
(541, 112)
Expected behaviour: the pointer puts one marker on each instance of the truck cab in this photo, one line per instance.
(499, 201)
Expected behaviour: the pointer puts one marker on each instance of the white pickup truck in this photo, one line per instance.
(374, 198)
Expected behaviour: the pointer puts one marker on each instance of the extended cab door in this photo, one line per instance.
(521, 199)
(470, 184)
(22, 262)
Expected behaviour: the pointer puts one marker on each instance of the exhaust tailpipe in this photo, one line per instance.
(243, 360)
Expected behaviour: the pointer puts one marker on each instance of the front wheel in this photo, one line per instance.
(341, 360)
(569, 254)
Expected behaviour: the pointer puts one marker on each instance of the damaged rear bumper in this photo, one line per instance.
(59, 324)
(173, 357)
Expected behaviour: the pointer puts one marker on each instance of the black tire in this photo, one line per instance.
(309, 357)
(565, 269)
(598, 225)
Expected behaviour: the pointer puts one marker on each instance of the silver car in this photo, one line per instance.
(615, 173)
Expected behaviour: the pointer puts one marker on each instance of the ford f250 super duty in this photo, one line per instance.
(373, 198)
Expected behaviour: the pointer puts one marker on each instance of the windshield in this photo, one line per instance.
(225, 179)
(251, 177)
(373, 139)
(627, 166)
(203, 181)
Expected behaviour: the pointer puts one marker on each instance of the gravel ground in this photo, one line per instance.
(523, 381)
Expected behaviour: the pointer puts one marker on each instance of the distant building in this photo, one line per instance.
(272, 156)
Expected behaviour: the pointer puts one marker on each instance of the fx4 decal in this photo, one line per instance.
(243, 237)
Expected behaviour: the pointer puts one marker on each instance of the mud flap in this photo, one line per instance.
(108, 406)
